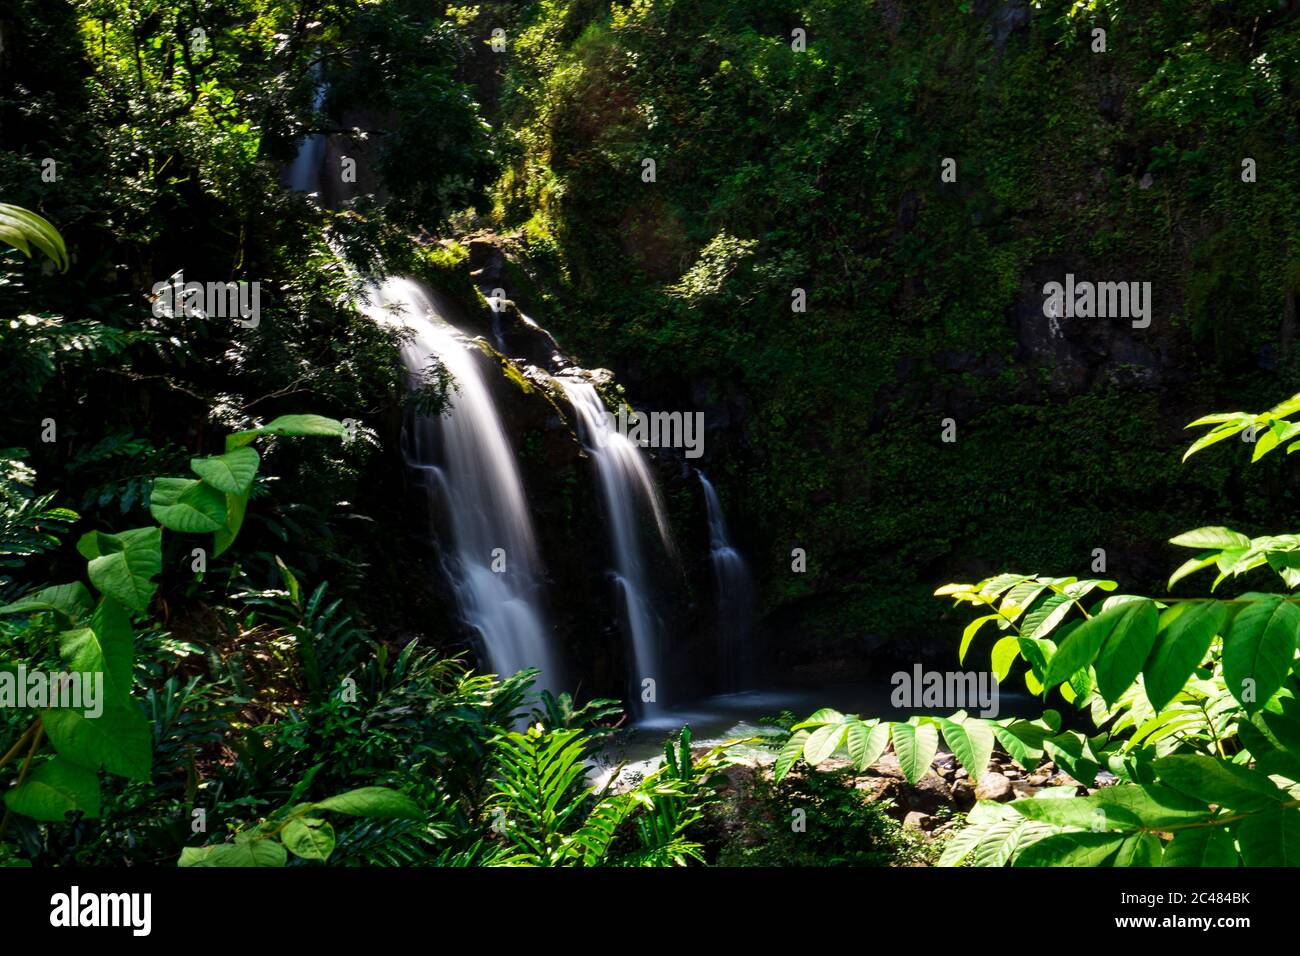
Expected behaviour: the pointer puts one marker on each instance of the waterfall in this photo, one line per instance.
(466, 464)
(304, 176)
(735, 594)
(625, 482)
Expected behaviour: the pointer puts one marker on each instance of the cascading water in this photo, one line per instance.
(304, 176)
(625, 484)
(467, 465)
(735, 594)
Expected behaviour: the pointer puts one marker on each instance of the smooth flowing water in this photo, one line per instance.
(734, 586)
(626, 486)
(463, 459)
(304, 176)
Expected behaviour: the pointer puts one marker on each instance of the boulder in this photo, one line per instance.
(994, 786)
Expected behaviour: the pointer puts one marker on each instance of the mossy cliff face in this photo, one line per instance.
(778, 169)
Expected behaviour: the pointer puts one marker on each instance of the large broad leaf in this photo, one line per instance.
(1259, 649)
(1081, 812)
(308, 837)
(971, 741)
(378, 803)
(1184, 638)
(1043, 619)
(1126, 649)
(1072, 849)
(120, 739)
(969, 633)
(1221, 539)
(125, 564)
(915, 746)
(290, 425)
(187, 505)
(236, 506)
(1216, 781)
(1154, 805)
(1270, 838)
(55, 789)
(1004, 656)
(1024, 739)
(1139, 849)
(232, 473)
(70, 600)
(247, 853)
(1268, 757)
(1200, 847)
(791, 752)
(866, 743)
(823, 742)
(1132, 621)
(89, 656)
(1191, 566)
(23, 229)
(1071, 753)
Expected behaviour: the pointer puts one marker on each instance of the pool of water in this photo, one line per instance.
(740, 715)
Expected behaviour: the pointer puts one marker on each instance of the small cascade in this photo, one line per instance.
(304, 176)
(463, 459)
(735, 595)
(626, 484)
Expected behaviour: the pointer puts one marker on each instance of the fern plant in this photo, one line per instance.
(549, 817)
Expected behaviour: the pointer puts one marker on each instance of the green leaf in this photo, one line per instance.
(1200, 847)
(1068, 752)
(1270, 838)
(1191, 566)
(1154, 805)
(376, 803)
(1130, 621)
(22, 229)
(866, 743)
(187, 505)
(1259, 649)
(1080, 812)
(289, 425)
(1221, 433)
(126, 565)
(1126, 649)
(308, 837)
(236, 506)
(823, 742)
(915, 746)
(71, 600)
(791, 752)
(1072, 849)
(1216, 781)
(56, 788)
(971, 741)
(1004, 655)
(120, 739)
(969, 633)
(232, 473)
(1043, 619)
(1220, 539)
(1186, 632)
(263, 852)
(1139, 849)
(826, 715)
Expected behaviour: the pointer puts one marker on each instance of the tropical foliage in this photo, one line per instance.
(1194, 703)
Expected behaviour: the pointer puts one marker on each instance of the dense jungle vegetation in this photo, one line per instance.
(824, 225)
